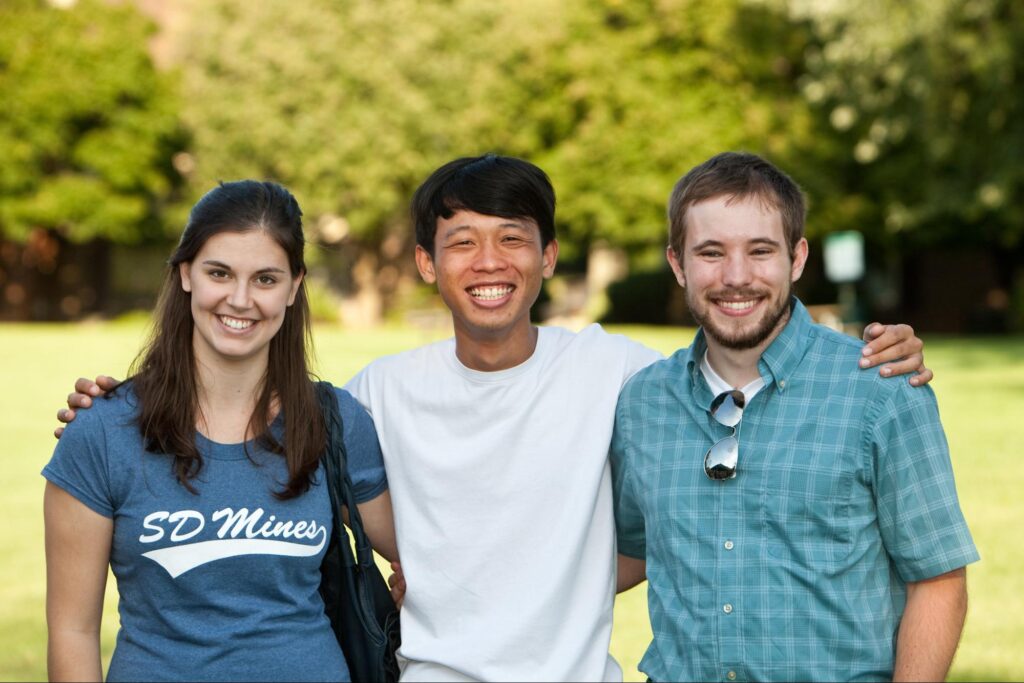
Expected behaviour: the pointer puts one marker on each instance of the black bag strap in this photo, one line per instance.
(339, 483)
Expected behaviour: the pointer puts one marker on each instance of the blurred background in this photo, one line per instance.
(903, 120)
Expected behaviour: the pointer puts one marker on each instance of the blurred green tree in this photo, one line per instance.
(87, 132)
(924, 101)
(353, 103)
(920, 115)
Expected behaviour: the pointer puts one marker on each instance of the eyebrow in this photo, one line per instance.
(221, 264)
(716, 243)
(510, 223)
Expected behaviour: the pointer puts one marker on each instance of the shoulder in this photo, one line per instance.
(351, 410)
(421, 359)
(595, 340)
(411, 358)
(662, 371)
(357, 425)
(115, 411)
(834, 357)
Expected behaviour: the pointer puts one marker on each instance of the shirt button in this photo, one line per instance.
(727, 608)
(782, 383)
(728, 545)
(731, 675)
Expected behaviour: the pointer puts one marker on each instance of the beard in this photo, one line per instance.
(742, 339)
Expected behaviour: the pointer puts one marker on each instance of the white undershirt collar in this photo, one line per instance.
(719, 385)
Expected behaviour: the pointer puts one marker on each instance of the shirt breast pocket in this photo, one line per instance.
(805, 504)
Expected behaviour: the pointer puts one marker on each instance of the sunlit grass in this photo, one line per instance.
(979, 382)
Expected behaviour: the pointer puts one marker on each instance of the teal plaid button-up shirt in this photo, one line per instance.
(797, 568)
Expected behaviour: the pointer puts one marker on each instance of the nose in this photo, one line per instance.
(489, 257)
(736, 271)
(240, 297)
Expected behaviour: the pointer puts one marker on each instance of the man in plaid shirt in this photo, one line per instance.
(796, 519)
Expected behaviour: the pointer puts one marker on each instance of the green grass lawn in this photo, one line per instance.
(979, 382)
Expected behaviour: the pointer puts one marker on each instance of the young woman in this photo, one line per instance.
(198, 479)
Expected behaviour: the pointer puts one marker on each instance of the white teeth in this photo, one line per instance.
(490, 293)
(235, 323)
(737, 305)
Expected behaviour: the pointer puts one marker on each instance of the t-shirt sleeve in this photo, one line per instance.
(639, 357)
(80, 463)
(365, 462)
(629, 520)
(919, 514)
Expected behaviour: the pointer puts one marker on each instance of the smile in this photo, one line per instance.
(490, 293)
(738, 305)
(236, 323)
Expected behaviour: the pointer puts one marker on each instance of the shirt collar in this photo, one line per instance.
(781, 359)
(778, 362)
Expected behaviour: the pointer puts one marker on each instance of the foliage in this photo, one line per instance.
(922, 114)
(88, 126)
(352, 104)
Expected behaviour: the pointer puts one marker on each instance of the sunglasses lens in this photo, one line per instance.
(727, 408)
(720, 462)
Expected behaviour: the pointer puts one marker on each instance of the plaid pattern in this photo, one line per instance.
(795, 569)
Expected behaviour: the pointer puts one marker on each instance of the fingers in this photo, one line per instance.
(84, 385)
(58, 432)
(873, 330)
(106, 383)
(76, 400)
(920, 375)
(894, 342)
(923, 376)
(397, 584)
(898, 350)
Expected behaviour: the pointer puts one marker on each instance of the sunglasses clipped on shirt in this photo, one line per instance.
(721, 459)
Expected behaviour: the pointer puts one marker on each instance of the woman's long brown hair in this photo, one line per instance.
(163, 376)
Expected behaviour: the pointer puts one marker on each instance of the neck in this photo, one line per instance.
(738, 367)
(500, 351)
(227, 395)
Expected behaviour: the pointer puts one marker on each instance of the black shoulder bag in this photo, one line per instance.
(356, 597)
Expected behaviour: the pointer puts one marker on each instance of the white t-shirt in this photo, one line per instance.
(503, 507)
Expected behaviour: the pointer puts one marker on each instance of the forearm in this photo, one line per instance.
(631, 571)
(930, 629)
(379, 525)
(73, 655)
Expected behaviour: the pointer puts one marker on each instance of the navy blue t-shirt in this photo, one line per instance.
(221, 585)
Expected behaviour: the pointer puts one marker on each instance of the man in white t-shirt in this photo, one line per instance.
(496, 442)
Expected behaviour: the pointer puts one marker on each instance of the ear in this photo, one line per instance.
(677, 267)
(799, 259)
(550, 258)
(185, 271)
(296, 283)
(425, 264)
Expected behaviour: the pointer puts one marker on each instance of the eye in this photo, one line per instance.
(218, 274)
(762, 251)
(709, 253)
(266, 280)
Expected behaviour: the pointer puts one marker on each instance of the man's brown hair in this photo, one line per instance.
(737, 175)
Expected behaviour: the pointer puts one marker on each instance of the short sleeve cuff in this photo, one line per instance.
(77, 492)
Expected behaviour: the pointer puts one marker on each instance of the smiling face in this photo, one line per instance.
(489, 272)
(737, 270)
(241, 287)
